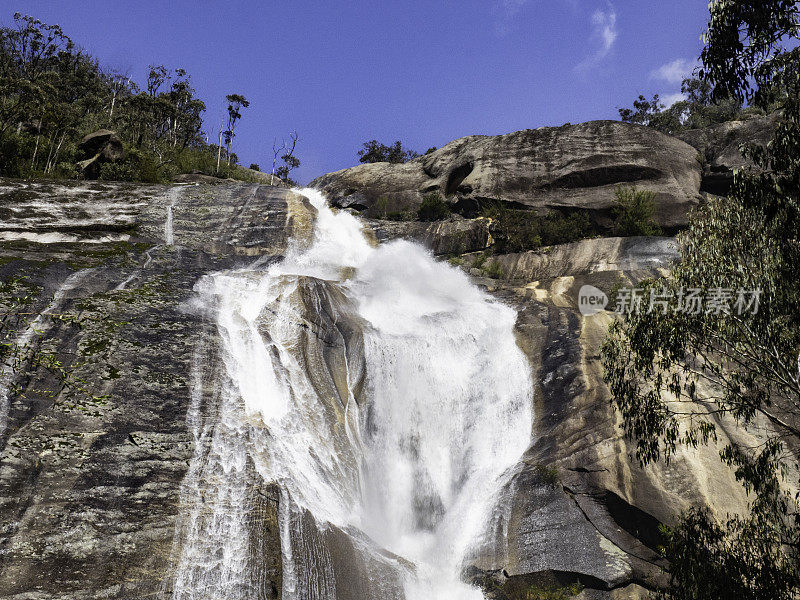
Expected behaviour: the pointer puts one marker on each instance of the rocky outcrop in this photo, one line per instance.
(719, 148)
(102, 146)
(551, 168)
(454, 236)
(241, 219)
(598, 255)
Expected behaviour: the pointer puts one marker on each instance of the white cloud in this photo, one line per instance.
(604, 35)
(675, 71)
(671, 99)
(604, 24)
(507, 10)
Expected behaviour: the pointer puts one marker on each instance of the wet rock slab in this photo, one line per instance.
(95, 443)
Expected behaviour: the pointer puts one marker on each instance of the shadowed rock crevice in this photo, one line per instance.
(640, 524)
(600, 176)
(719, 148)
(456, 177)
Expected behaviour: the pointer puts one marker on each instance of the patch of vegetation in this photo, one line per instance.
(382, 211)
(382, 207)
(548, 475)
(456, 261)
(633, 212)
(553, 592)
(122, 252)
(698, 109)
(101, 336)
(37, 367)
(373, 151)
(433, 208)
(521, 230)
(17, 295)
(518, 588)
(479, 260)
(494, 270)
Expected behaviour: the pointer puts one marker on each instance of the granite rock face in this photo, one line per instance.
(101, 426)
(580, 508)
(454, 236)
(92, 455)
(551, 168)
(719, 147)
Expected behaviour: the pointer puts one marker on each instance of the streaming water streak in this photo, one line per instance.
(173, 195)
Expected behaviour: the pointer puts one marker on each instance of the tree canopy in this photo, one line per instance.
(373, 151)
(676, 374)
(698, 109)
(52, 94)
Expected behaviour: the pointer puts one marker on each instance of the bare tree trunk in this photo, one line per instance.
(35, 150)
(36, 147)
(49, 152)
(275, 152)
(52, 165)
(219, 148)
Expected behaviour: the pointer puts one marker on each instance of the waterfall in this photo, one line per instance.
(173, 195)
(401, 442)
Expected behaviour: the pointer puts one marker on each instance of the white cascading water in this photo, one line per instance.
(174, 195)
(416, 471)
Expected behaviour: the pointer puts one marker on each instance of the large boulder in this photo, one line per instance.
(719, 148)
(100, 147)
(551, 168)
(452, 236)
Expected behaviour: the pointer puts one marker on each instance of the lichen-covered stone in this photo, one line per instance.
(92, 457)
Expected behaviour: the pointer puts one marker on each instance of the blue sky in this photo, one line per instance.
(424, 72)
